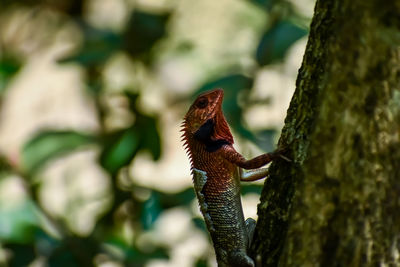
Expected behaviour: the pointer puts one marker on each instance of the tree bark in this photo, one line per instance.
(338, 202)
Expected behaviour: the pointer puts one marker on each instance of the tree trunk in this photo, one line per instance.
(338, 202)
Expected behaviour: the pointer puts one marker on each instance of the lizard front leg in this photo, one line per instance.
(252, 175)
(230, 154)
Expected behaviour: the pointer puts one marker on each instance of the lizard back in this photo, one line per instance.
(217, 188)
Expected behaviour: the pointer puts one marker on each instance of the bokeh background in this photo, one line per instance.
(92, 95)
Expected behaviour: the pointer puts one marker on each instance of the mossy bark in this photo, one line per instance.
(338, 202)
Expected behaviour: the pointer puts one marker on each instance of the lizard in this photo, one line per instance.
(217, 170)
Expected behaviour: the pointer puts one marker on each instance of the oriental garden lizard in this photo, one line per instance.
(217, 170)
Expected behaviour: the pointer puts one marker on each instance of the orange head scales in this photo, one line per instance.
(205, 123)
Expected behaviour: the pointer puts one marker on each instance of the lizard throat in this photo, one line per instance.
(205, 136)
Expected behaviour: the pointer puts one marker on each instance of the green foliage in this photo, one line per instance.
(143, 31)
(182, 198)
(5, 167)
(98, 46)
(267, 4)
(133, 256)
(18, 223)
(24, 254)
(277, 40)
(199, 223)
(250, 188)
(150, 211)
(121, 147)
(201, 263)
(9, 66)
(265, 138)
(47, 145)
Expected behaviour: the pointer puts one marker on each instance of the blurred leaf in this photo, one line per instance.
(143, 31)
(199, 223)
(61, 258)
(73, 8)
(184, 197)
(277, 40)
(18, 223)
(247, 188)
(150, 140)
(9, 66)
(94, 84)
(267, 4)
(185, 47)
(47, 145)
(97, 47)
(151, 209)
(265, 139)
(147, 126)
(202, 262)
(22, 254)
(144, 257)
(74, 251)
(5, 166)
(132, 256)
(133, 98)
(233, 85)
(45, 243)
(120, 148)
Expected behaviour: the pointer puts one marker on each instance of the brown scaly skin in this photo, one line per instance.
(217, 170)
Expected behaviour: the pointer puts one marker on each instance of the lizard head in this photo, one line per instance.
(205, 121)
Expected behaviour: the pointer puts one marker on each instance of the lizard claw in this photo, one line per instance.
(285, 158)
(279, 154)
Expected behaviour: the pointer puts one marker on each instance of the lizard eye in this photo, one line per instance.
(202, 103)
